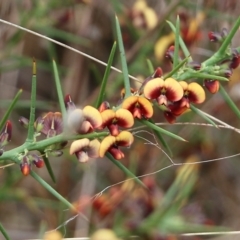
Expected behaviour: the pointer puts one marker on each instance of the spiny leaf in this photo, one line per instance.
(105, 77)
(123, 60)
(30, 135)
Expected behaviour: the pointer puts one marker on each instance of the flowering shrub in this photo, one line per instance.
(105, 129)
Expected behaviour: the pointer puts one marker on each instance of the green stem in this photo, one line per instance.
(30, 134)
(51, 190)
(229, 101)
(124, 169)
(10, 108)
(59, 90)
(176, 44)
(105, 77)
(41, 145)
(4, 232)
(219, 55)
(123, 60)
(181, 42)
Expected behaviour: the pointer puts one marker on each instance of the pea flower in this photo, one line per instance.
(51, 124)
(193, 92)
(85, 149)
(163, 90)
(84, 120)
(115, 119)
(139, 106)
(111, 144)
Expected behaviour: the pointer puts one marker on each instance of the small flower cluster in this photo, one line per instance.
(88, 119)
(49, 125)
(226, 67)
(27, 161)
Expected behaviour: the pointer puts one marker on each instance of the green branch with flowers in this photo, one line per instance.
(100, 130)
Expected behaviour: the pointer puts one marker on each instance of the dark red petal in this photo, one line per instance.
(169, 117)
(116, 153)
(211, 85)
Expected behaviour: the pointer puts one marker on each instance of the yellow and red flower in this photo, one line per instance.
(115, 119)
(139, 106)
(193, 93)
(163, 90)
(111, 144)
(85, 149)
(84, 120)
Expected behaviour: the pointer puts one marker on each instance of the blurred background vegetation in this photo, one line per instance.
(27, 210)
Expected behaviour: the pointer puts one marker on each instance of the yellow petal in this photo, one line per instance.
(184, 85)
(124, 118)
(124, 138)
(107, 117)
(146, 107)
(93, 150)
(92, 115)
(174, 90)
(162, 45)
(129, 102)
(106, 143)
(152, 89)
(78, 145)
(196, 93)
(150, 18)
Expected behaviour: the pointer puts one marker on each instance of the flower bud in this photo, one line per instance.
(215, 37)
(6, 134)
(24, 122)
(104, 106)
(25, 166)
(69, 104)
(211, 85)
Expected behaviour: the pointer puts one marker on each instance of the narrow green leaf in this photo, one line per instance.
(123, 60)
(195, 110)
(4, 232)
(229, 101)
(150, 66)
(105, 77)
(10, 108)
(30, 134)
(51, 190)
(161, 130)
(124, 169)
(176, 44)
(174, 70)
(207, 76)
(181, 42)
(48, 166)
(161, 139)
(59, 90)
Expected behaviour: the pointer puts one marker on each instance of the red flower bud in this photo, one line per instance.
(25, 166)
